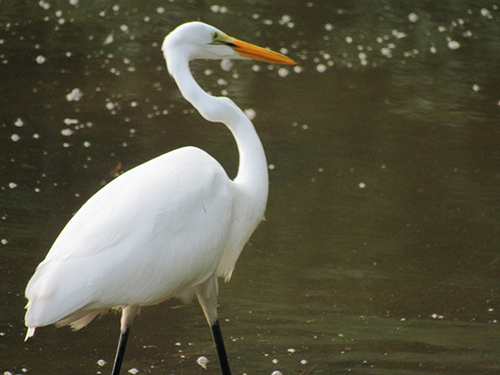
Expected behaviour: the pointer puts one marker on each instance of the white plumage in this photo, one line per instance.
(166, 228)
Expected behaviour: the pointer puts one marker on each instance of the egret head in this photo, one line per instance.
(197, 40)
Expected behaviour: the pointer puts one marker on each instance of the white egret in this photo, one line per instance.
(167, 228)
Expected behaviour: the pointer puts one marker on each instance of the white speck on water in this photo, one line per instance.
(476, 88)
(226, 65)
(218, 9)
(283, 72)
(110, 39)
(124, 28)
(66, 132)
(12, 185)
(274, 361)
(19, 122)
(74, 95)
(15, 137)
(362, 57)
(452, 44)
(202, 361)
(297, 69)
(386, 52)
(285, 19)
(70, 121)
(398, 34)
(413, 17)
(44, 5)
(160, 10)
(86, 144)
(303, 361)
(277, 373)
(437, 316)
(348, 39)
(73, 2)
(328, 27)
(486, 13)
(4, 241)
(250, 113)
(133, 371)
(271, 167)
(291, 350)
(320, 68)
(362, 185)
(101, 362)
(40, 59)
(110, 106)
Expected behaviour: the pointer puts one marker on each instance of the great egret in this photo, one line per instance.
(167, 228)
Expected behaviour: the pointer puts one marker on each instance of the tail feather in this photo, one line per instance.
(79, 319)
(30, 333)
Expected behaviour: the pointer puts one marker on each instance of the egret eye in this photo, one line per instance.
(215, 35)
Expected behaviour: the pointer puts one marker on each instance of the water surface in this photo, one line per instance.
(380, 249)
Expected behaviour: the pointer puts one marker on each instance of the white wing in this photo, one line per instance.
(155, 231)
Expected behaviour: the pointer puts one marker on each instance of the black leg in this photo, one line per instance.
(221, 351)
(120, 351)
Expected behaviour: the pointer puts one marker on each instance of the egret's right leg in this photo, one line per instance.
(207, 296)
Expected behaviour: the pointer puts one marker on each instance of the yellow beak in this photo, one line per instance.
(258, 53)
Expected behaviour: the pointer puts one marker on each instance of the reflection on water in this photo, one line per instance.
(380, 249)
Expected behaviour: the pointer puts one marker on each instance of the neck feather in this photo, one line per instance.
(252, 172)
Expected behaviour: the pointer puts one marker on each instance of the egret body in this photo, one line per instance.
(167, 228)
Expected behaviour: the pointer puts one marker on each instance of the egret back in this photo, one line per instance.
(157, 231)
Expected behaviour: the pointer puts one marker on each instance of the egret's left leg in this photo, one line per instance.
(120, 351)
(221, 350)
(128, 314)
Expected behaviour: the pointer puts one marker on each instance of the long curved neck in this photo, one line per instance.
(252, 171)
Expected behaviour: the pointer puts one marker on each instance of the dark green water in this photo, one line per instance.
(381, 249)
